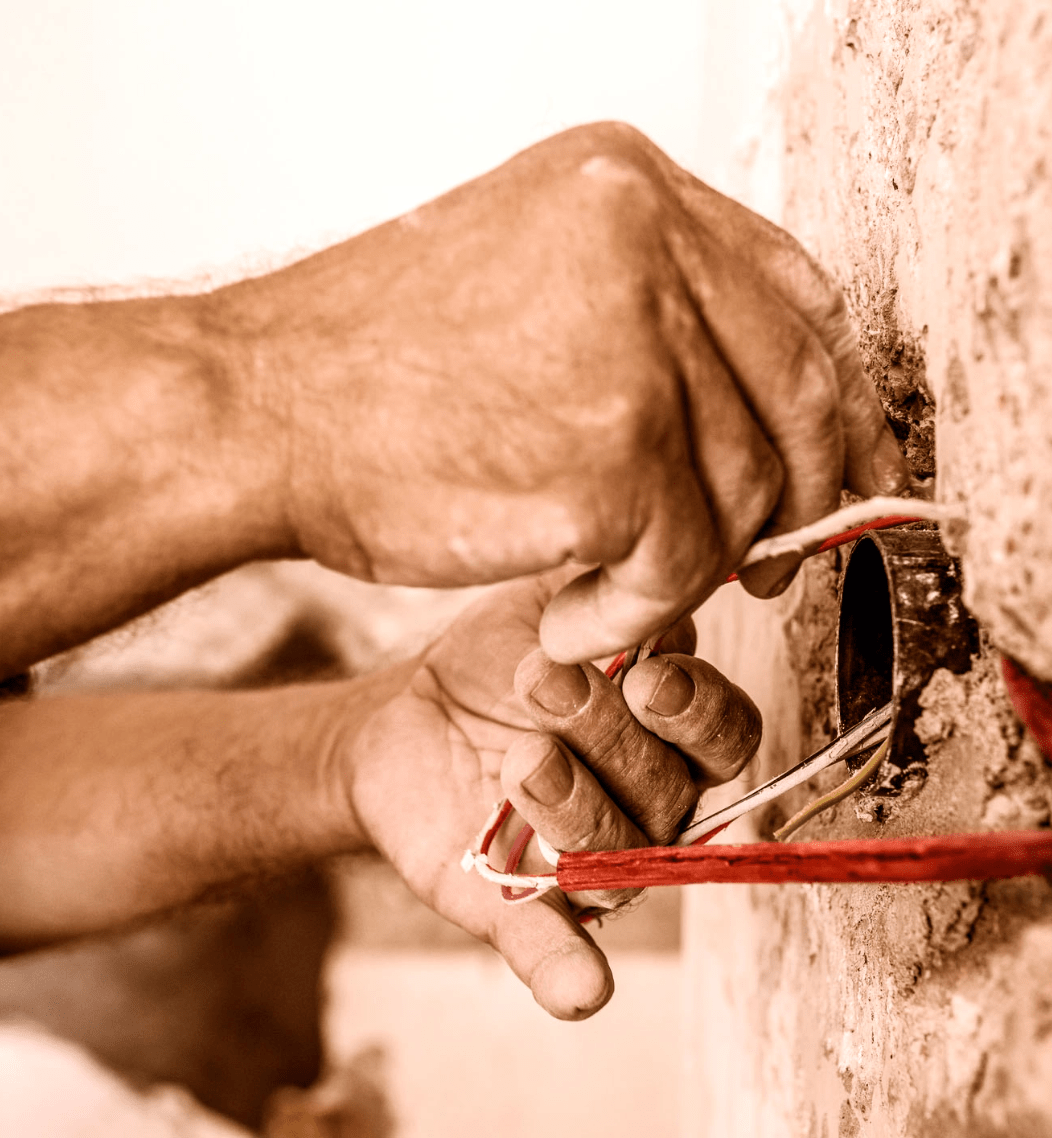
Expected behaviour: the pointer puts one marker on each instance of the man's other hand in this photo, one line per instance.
(487, 713)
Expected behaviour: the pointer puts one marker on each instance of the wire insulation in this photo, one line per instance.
(947, 857)
(838, 794)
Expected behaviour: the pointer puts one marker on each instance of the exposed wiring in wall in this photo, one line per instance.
(827, 533)
(837, 794)
(846, 524)
(945, 857)
(871, 729)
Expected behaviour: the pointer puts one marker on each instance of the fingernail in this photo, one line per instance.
(674, 691)
(551, 781)
(889, 467)
(563, 691)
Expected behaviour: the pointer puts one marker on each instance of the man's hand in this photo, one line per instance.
(113, 807)
(604, 771)
(584, 355)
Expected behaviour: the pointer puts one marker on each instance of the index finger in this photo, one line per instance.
(873, 460)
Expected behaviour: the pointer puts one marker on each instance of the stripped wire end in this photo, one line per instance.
(838, 794)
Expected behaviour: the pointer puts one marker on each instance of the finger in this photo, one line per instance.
(688, 703)
(675, 563)
(648, 780)
(736, 462)
(681, 637)
(873, 460)
(563, 802)
(549, 951)
(786, 376)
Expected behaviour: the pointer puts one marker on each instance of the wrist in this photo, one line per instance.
(251, 410)
(136, 466)
(310, 344)
(352, 770)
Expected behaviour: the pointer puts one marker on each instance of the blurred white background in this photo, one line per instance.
(153, 139)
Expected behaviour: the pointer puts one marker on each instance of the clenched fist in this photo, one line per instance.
(584, 356)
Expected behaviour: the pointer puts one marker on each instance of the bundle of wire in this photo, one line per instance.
(941, 858)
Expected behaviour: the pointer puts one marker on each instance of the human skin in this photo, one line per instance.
(113, 807)
(585, 355)
(584, 358)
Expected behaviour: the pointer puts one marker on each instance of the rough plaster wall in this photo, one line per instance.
(918, 167)
(913, 137)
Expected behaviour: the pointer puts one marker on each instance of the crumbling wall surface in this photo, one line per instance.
(916, 164)
(918, 167)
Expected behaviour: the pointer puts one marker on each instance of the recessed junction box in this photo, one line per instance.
(901, 618)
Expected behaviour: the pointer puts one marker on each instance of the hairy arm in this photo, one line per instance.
(134, 464)
(113, 807)
(584, 355)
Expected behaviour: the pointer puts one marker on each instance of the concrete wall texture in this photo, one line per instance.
(909, 142)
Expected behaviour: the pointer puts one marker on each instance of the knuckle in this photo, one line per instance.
(832, 315)
(619, 195)
(761, 494)
(828, 308)
(611, 742)
(614, 176)
(649, 783)
(832, 321)
(811, 284)
(605, 833)
(610, 137)
(809, 369)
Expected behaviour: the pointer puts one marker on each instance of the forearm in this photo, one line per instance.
(136, 461)
(116, 807)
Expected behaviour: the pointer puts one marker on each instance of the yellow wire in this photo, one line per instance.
(835, 795)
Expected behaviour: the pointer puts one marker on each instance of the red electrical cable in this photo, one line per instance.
(1032, 700)
(849, 535)
(946, 857)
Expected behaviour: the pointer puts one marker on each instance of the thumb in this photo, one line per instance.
(548, 950)
(678, 560)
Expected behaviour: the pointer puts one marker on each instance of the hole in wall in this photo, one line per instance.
(866, 648)
(901, 618)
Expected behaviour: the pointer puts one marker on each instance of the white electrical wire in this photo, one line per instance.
(800, 540)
